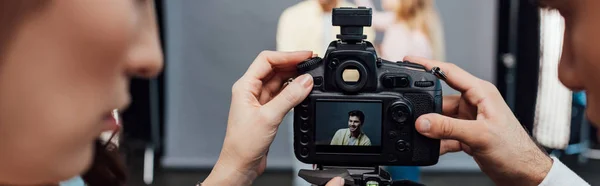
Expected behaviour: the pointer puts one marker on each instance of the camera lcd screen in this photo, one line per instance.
(348, 127)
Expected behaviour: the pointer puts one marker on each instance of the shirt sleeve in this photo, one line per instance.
(561, 175)
(366, 142)
(285, 32)
(336, 138)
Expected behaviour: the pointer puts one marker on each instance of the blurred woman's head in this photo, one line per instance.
(420, 16)
(64, 66)
(413, 12)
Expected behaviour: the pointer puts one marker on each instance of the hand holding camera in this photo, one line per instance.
(480, 123)
(404, 98)
(355, 109)
(258, 104)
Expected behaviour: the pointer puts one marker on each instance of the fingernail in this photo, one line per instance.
(425, 125)
(342, 181)
(305, 80)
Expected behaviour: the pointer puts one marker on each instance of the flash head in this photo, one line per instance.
(351, 22)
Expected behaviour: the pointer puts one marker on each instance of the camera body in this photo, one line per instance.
(362, 109)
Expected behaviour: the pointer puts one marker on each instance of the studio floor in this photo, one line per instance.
(590, 172)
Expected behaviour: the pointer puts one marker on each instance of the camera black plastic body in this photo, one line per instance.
(392, 95)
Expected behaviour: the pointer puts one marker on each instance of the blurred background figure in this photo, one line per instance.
(410, 27)
(307, 26)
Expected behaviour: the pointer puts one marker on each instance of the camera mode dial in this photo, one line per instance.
(309, 64)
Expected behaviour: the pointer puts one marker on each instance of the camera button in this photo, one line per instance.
(304, 152)
(304, 114)
(304, 103)
(400, 113)
(304, 139)
(393, 135)
(388, 82)
(317, 81)
(304, 126)
(393, 81)
(423, 83)
(402, 82)
(334, 63)
(402, 145)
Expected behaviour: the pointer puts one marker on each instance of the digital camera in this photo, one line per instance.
(362, 109)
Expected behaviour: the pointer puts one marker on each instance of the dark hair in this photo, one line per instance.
(358, 114)
(107, 168)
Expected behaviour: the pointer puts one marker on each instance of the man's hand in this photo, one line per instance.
(480, 123)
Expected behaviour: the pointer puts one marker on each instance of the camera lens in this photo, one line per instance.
(401, 112)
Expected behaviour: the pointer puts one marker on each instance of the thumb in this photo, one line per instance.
(291, 95)
(443, 127)
(337, 181)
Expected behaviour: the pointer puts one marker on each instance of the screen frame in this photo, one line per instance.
(347, 149)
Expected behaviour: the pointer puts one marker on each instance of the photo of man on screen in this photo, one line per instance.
(352, 135)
